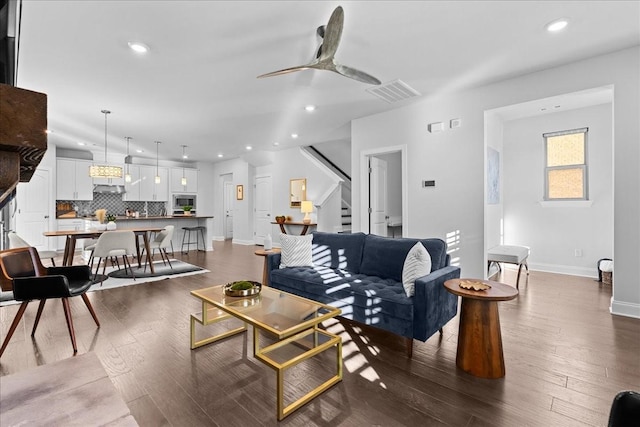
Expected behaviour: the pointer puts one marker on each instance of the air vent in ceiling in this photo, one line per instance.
(393, 91)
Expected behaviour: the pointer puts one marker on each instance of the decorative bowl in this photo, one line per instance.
(241, 288)
(474, 285)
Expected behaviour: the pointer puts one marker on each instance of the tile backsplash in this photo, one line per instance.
(114, 204)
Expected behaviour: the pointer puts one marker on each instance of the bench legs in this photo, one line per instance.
(523, 263)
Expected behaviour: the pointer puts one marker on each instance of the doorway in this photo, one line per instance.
(262, 205)
(384, 201)
(227, 206)
(33, 204)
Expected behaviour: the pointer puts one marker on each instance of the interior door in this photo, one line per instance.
(32, 218)
(263, 209)
(378, 196)
(229, 194)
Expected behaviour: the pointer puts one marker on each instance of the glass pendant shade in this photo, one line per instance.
(183, 181)
(157, 179)
(127, 176)
(105, 170)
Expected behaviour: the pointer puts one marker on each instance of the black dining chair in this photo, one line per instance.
(22, 272)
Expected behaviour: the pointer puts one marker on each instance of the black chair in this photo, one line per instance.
(22, 272)
(625, 410)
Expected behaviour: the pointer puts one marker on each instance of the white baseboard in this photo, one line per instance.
(565, 269)
(243, 242)
(626, 309)
(218, 238)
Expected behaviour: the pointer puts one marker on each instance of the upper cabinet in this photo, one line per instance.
(72, 180)
(149, 190)
(191, 176)
(132, 189)
(110, 181)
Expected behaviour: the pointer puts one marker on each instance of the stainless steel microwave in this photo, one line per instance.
(182, 200)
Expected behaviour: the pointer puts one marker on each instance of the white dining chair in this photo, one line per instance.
(110, 246)
(16, 241)
(161, 242)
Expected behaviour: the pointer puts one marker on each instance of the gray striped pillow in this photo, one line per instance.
(295, 251)
(416, 265)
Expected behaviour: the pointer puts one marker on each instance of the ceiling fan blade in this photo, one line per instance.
(332, 34)
(285, 71)
(356, 74)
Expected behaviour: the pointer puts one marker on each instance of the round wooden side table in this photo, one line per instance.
(263, 253)
(479, 338)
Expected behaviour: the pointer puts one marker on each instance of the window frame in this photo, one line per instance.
(583, 167)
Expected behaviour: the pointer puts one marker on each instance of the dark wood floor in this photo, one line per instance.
(566, 358)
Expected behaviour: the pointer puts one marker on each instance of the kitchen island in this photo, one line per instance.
(178, 221)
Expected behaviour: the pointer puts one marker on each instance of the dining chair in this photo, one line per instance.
(15, 241)
(625, 409)
(161, 242)
(110, 246)
(22, 272)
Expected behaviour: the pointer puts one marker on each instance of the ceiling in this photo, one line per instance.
(197, 85)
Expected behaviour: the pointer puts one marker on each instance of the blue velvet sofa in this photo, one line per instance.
(362, 275)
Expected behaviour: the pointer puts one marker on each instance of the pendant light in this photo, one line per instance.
(157, 180)
(127, 175)
(105, 170)
(183, 181)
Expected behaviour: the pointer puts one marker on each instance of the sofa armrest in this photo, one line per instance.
(273, 263)
(433, 305)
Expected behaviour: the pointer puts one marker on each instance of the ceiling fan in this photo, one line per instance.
(325, 59)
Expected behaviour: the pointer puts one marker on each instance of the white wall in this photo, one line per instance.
(494, 212)
(455, 158)
(553, 233)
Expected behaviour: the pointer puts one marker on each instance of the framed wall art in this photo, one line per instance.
(239, 192)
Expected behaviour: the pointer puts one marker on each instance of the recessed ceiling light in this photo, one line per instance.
(276, 144)
(139, 151)
(294, 135)
(81, 143)
(310, 108)
(220, 155)
(185, 156)
(557, 25)
(248, 147)
(138, 47)
(48, 131)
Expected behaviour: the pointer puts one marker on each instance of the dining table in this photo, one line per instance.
(91, 233)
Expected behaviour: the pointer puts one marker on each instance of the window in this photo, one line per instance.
(566, 165)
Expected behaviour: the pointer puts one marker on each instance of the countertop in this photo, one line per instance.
(124, 218)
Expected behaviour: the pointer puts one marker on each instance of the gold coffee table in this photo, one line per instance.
(293, 321)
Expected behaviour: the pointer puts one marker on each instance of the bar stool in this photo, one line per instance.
(187, 234)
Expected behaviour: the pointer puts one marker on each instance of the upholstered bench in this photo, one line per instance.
(509, 254)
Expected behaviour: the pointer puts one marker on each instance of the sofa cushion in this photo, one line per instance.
(369, 295)
(336, 250)
(417, 264)
(295, 250)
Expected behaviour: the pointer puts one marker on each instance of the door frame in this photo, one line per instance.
(364, 186)
(50, 211)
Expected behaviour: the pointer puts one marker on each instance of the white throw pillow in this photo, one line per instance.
(295, 251)
(416, 265)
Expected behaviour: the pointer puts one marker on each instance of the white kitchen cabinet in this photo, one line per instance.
(111, 181)
(176, 181)
(149, 190)
(132, 188)
(72, 180)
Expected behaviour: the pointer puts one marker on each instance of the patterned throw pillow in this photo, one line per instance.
(295, 251)
(416, 264)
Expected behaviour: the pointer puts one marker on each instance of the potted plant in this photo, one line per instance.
(187, 209)
(111, 222)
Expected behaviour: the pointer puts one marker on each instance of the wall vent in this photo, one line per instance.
(393, 91)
